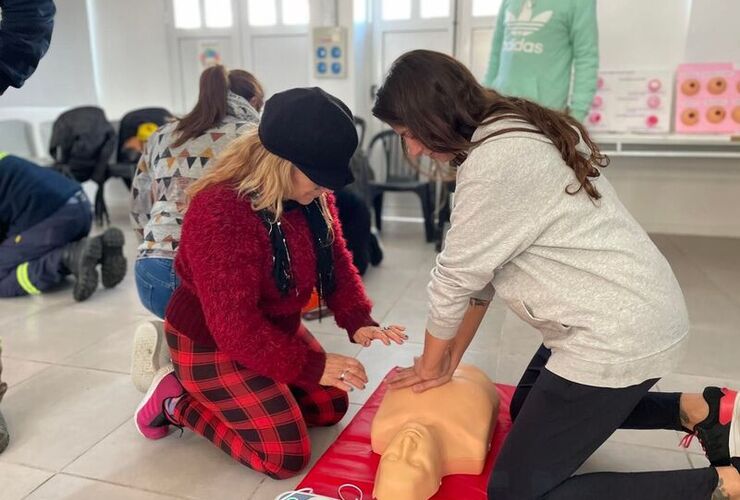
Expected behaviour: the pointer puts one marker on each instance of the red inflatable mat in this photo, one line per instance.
(350, 459)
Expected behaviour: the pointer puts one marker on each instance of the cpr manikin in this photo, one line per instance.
(425, 436)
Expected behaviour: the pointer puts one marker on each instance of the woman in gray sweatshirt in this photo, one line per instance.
(536, 221)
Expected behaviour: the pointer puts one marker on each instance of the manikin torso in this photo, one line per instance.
(423, 437)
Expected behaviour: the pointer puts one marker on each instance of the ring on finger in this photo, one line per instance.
(343, 375)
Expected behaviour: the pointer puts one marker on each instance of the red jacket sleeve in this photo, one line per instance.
(226, 260)
(349, 303)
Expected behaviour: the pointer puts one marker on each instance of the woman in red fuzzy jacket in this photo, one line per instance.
(260, 233)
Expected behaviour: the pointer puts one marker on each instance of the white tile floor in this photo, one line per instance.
(70, 401)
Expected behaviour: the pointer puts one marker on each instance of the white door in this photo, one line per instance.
(276, 42)
(268, 38)
(201, 33)
(403, 25)
(196, 54)
(476, 22)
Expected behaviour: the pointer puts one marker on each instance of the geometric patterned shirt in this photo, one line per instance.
(158, 199)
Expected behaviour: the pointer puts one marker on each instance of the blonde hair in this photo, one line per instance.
(248, 167)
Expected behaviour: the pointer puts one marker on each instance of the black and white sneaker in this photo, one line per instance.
(719, 433)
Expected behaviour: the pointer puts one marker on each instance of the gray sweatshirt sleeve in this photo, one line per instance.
(495, 218)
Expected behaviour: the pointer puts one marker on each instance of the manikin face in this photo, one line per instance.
(414, 147)
(305, 190)
(411, 466)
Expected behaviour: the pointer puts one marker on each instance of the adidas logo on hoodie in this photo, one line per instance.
(518, 28)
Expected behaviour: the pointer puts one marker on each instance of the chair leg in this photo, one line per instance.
(378, 209)
(427, 211)
(444, 218)
(101, 209)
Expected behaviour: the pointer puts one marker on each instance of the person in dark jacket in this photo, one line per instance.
(25, 34)
(44, 221)
(354, 215)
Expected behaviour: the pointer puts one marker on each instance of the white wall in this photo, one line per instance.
(362, 66)
(64, 77)
(713, 34)
(635, 34)
(327, 13)
(638, 34)
(132, 60)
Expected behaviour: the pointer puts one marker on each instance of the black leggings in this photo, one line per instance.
(558, 424)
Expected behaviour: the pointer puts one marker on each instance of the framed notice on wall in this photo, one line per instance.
(210, 53)
(330, 52)
(707, 98)
(632, 101)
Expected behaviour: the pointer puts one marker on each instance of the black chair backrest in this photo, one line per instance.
(361, 126)
(397, 165)
(363, 174)
(82, 141)
(130, 124)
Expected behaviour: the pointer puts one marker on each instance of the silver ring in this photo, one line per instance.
(341, 375)
(384, 328)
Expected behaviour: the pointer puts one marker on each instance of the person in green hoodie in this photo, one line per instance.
(536, 46)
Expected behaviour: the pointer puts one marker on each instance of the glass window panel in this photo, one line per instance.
(435, 8)
(218, 13)
(296, 12)
(485, 7)
(396, 9)
(261, 12)
(187, 14)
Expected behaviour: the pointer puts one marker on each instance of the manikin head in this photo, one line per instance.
(411, 466)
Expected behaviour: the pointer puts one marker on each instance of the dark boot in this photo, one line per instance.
(4, 436)
(376, 249)
(80, 258)
(113, 263)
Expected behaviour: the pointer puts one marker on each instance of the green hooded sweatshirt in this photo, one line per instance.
(535, 45)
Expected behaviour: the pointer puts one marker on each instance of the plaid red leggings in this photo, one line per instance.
(259, 422)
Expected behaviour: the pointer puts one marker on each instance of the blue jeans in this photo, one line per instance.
(155, 282)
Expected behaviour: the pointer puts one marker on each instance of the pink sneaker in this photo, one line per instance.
(150, 416)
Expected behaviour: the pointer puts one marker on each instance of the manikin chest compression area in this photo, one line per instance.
(423, 437)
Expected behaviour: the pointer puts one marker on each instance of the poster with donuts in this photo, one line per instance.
(707, 98)
(632, 101)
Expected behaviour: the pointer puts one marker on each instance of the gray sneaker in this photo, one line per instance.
(150, 353)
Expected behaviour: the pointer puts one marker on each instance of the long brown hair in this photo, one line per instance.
(441, 103)
(212, 106)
